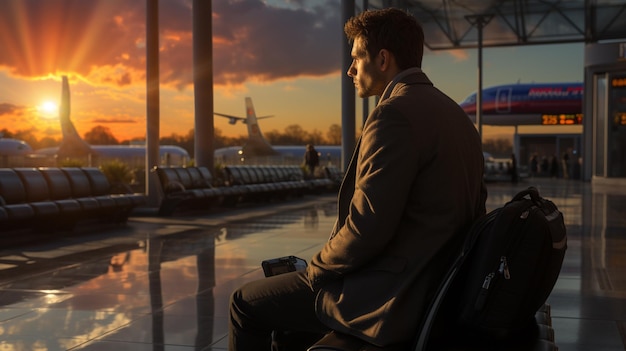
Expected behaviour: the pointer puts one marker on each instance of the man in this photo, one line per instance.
(412, 189)
(311, 159)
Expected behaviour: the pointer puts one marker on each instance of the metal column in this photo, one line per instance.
(152, 100)
(348, 111)
(203, 83)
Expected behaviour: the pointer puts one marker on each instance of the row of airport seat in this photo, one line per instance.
(50, 198)
(274, 180)
(193, 187)
(334, 174)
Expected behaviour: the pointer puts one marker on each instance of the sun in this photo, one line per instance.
(48, 109)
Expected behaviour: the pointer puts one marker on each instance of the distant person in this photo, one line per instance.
(513, 169)
(565, 165)
(409, 195)
(311, 159)
(544, 166)
(534, 164)
(554, 167)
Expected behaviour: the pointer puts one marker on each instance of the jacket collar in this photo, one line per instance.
(396, 80)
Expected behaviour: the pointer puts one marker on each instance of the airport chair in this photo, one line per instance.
(61, 193)
(100, 189)
(197, 180)
(335, 175)
(233, 175)
(290, 187)
(202, 180)
(173, 190)
(270, 177)
(13, 201)
(81, 190)
(37, 194)
(122, 203)
(259, 191)
(101, 186)
(252, 176)
(271, 188)
(240, 177)
(206, 175)
(183, 177)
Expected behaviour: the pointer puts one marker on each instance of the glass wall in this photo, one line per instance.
(605, 102)
(616, 127)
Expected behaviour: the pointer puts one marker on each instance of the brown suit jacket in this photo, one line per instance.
(411, 191)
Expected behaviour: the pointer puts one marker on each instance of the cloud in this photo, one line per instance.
(113, 120)
(459, 54)
(251, 40)
(10, 109)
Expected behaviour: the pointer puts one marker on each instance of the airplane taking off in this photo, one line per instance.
(73, 146)
(529, 104)
(256, 145)
(258, 150)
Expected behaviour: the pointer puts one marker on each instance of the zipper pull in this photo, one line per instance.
(484, 291)
(504, 268)
(487, 281)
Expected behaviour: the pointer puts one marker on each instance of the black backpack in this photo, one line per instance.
(510, 262)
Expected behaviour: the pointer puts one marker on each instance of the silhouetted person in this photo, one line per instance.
(554, 167)
(565, 165)
(513, 169)
(534, 165)
(311, 159)
(544, 166)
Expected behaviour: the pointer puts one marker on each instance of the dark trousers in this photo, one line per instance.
(280, 303)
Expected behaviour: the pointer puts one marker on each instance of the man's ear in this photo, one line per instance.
(385, 59)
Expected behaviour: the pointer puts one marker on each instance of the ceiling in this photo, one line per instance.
(453, 24)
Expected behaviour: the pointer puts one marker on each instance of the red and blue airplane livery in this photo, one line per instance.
(529, 104)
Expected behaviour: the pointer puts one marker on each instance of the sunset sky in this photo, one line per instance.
(284, 54)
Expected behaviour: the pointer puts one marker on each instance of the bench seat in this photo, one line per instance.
(187, 187)
(49, 198)
(192, 187)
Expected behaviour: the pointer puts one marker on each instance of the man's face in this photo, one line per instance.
(364, 71)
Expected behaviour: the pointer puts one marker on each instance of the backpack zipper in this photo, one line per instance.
(503, 271)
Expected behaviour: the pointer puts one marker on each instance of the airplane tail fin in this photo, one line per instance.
(72, 145)
(257, 144)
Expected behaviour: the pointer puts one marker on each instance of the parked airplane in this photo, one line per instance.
(74, 147)
(13, 147)
(13, 151)
(526, 104)
(258, 150)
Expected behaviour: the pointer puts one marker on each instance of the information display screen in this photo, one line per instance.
(562, 119)
(620, 118)
(618, 103)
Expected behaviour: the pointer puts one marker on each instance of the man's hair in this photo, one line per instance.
(391, 29)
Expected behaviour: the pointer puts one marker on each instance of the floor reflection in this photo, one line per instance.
(157, 290)
(163, 284)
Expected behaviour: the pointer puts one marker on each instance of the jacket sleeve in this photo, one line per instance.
(386, 168)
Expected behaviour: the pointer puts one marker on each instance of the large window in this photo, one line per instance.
(616, 127)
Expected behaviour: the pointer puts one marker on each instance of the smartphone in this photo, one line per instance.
(282, 265)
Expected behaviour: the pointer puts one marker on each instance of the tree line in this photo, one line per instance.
(292, 135)
(101, 135)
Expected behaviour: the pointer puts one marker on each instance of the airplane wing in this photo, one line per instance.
(234, 119)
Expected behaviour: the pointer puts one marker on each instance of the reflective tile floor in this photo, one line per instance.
(164, 283)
